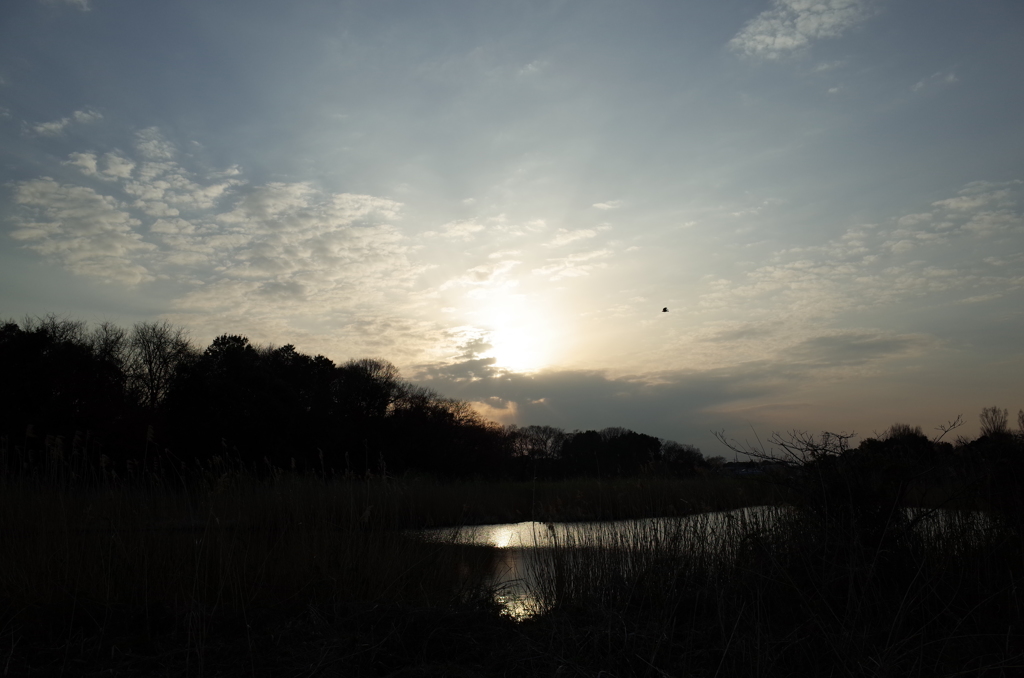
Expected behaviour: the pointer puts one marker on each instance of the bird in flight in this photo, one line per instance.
(665, 310)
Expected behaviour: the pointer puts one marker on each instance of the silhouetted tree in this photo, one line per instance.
(627, 452)
(136, 394)
(151, 355)
(994, 421)
(213, 406)
(581, 454)
(57, 393)
(543, 442)
(681, 459)
(430, 433)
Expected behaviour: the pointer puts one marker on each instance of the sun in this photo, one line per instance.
(520, 349)
(523, 338)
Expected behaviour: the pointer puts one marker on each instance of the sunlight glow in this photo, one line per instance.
(523, 338)
(520, 349)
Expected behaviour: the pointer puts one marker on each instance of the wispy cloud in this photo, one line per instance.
(848, 348)
(533, 68)
(828, 66)
(152, 144)
(458, 230)
(574, 265)
(934, 80)
(56, 127)
(790, 25)
(276, 255)
(82, 5)
(564, 237)
(485, 274)
(88, 233)
(869, 266)
(115, 166)
(608, 205)
(51, 129)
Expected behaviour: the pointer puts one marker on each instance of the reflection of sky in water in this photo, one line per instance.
(513, 580)
(510, 535)
(533, 534)
(523, 545)
(514, 577)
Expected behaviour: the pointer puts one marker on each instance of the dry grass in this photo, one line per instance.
(124, 566)
(771, 593)
(178, 575)
(226, 574)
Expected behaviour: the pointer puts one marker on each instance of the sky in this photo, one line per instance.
(501, 198)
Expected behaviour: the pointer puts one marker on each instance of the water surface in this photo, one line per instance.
(525, 548)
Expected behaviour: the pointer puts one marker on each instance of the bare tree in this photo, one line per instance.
(899, 430)
(795, 448)
(951, 425)
(110, 344)
(994, 421)
(543, 442)
(155, 352)
(59, 329)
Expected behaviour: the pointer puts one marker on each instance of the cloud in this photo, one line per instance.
(51, 129)
(936, 79)
(983, 208)
(56, 127)
(485, 274)
(82, 5)
(458, 230)
(284, 257)
(990, 223)
(828, 66)
(161, 188)
(855, 348)
(86, 162)
(469, 364)
(980, 194)
(565, 237)
(920, 255)
(914, 219)
(790, 25)
(534, 67)
(682, 404)
(152, 144)
(115, 166)
(609, 205)
(574, 265)
(118, 166)
(86, 117)
(88, 233)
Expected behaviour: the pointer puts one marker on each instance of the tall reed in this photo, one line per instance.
(767, 592)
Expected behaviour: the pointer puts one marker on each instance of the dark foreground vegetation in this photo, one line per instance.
(903, 556)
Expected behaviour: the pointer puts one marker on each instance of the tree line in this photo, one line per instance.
(148, 400)
(861, 489)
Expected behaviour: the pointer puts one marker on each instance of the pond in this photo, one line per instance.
(526, 548)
